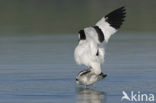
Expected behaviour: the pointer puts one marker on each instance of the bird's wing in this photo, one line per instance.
(108, 26)
(111, 22)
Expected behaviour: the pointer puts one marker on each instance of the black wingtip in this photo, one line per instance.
(116, 17)
(103, 75)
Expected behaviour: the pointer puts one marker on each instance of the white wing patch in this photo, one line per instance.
(106, 28)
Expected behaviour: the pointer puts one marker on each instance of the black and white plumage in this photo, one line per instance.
(86, 77)
(90, 50)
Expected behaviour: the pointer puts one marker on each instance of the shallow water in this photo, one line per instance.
(41, 69)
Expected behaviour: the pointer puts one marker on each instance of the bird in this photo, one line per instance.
(90, 50)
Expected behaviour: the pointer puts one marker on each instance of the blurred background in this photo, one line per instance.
(68, 16)
(37, 42)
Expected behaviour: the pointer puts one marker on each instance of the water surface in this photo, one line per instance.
(41, 69)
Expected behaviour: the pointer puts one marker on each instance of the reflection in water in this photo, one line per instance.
(86, 95)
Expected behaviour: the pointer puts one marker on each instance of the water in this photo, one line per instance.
(41, 69)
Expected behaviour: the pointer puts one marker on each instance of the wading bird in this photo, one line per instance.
(90, 50)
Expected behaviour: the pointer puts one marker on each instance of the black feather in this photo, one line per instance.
(116, 17)
(100, 33)
(103, 75)
(84, 72)
(82, 35)
(97, 53)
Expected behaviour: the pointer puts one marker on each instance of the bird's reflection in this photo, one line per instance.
(86, 95)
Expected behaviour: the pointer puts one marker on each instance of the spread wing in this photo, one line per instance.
(90, 49)
(112, 22)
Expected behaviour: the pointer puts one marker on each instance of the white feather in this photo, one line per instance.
(106, 28)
